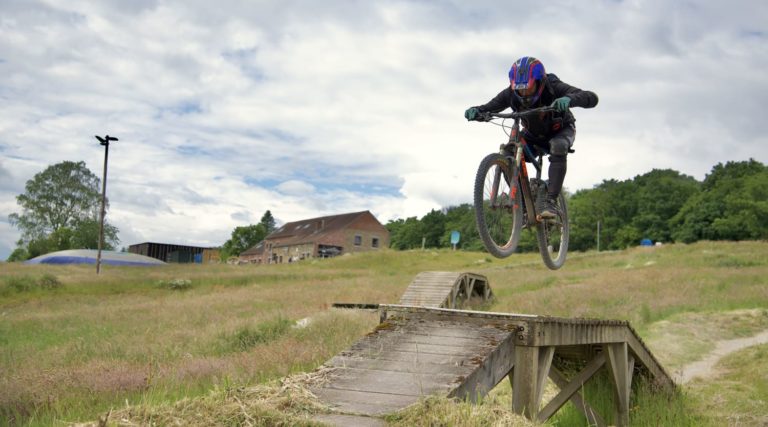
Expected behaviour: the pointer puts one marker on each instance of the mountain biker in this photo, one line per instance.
(553, 132)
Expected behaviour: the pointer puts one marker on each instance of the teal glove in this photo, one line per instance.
(561, 104)
(471, 113)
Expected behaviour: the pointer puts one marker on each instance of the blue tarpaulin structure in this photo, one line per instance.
(646, 242)
(88, 256)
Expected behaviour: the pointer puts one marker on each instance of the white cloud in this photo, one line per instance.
(227, 109)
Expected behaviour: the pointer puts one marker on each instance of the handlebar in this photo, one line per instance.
(485, 116)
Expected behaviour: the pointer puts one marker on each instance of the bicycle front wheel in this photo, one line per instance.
(498, 207)
(552, 235)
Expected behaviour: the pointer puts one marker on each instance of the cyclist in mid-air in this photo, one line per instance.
(553, 132)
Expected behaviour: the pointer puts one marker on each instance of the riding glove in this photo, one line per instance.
(471, 113)
(561, 104)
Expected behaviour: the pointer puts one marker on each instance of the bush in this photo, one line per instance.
(20, 283)
(247, 337)
(175, 284)
(28, 284)
(49, 281)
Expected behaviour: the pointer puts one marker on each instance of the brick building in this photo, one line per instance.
(322, 237)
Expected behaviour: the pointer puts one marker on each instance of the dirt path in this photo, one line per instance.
(705, 368)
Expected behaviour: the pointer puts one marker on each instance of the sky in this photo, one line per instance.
(227, 109)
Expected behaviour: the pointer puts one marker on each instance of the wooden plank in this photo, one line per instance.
(490, 370)
(458, 331)
(366, 403)
(339, 420)
(421, 337)
(425, 349)
(574, 332)
(421, 367)
(647, 360)
(402, 383)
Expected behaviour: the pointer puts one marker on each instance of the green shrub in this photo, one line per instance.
(49, 281)
(28, 284)
(20, 283)
(175, 284)
(247, 337)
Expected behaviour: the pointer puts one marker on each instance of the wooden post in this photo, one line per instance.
(621, 366)
(529, 377)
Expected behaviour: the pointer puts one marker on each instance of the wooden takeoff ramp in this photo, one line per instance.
(421, 351)
(445, 289)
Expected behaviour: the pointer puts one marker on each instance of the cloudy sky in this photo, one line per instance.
(226, 109)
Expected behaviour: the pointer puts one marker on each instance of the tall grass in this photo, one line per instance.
(73, 351)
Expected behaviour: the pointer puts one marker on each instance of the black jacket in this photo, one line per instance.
(547, 124)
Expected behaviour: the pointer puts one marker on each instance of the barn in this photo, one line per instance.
(322, 237)
(172, 253)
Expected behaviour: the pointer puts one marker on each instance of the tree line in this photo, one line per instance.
(731, 203)
(60, 210)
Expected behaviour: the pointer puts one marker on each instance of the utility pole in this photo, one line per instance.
(598, 235)
(105, 142)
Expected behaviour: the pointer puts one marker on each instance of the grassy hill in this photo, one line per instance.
(154, 344)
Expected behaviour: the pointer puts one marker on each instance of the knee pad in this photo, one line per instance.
(558, 148)
(554, 158)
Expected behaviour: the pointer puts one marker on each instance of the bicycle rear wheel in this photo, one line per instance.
(498, 208)
(552, 235)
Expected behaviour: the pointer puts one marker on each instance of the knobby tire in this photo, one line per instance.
(499, 224)
(553, 236)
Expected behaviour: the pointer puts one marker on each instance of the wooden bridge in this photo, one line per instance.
(418, 351)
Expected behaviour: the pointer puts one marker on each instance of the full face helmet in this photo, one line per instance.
(526, 78)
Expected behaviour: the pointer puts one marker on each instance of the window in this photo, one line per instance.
(358, 240)
(375, 242)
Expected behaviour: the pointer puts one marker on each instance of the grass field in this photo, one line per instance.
(154, 344)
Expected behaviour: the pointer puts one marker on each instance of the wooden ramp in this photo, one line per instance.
(445, 289)
(419, 351)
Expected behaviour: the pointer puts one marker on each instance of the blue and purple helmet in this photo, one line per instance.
(525, 73)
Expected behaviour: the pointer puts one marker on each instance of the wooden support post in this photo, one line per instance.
(525, 382)
(621, 366)
(470, 286)
(571, 388)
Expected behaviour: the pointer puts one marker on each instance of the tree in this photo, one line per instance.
(733, 205)
(461, 218)
(243, 238)
(60, 210)
(405, 234)
(268, 221)
(434, 228)
(630, 210)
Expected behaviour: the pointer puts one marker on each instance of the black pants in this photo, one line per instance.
(557, 147)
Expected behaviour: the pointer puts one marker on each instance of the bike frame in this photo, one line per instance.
(520, 146)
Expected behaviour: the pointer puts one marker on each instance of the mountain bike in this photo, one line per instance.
(505, 197)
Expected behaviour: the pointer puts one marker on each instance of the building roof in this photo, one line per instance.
(173, 244)
(313, 229)
(256, 250)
